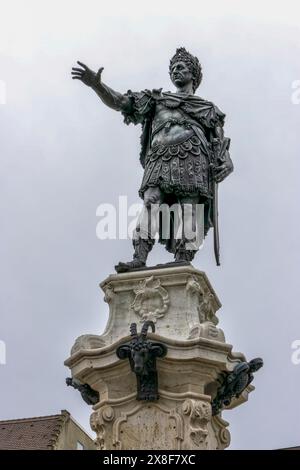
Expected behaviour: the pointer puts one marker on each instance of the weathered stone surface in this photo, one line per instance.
(183, 306)
(180, 300)
(87, 342)
(179, 424)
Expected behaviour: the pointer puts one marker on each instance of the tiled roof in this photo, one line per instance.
(291, 448)
(31, 433)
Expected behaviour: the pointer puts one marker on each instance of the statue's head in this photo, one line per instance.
(185, 68)
(256, 364)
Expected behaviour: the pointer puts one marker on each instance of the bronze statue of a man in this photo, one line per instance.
(184, 152)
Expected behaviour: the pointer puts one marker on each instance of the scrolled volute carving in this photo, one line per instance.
(204, 300)
(98, 421)
(87, 342)
(199, 413)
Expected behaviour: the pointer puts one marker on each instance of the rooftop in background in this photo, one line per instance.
(56, 432)
(291, 448)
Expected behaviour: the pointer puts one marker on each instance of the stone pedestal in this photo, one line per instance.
(183, 305)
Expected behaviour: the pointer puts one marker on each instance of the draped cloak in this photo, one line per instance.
(199, 152)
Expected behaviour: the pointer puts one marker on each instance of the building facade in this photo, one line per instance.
(55, 432)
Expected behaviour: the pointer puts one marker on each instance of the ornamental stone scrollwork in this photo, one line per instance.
(87, 342)
(199, 415)
(147, 426)
(151, 300)
(202, 301)
(207, 310)
(219, 426)
(99, 421)
(193, 286)
(109, 293)
(206, 330)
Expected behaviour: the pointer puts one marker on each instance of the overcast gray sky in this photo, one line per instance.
(63, 153)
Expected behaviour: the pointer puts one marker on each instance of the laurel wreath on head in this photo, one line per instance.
(191, 61)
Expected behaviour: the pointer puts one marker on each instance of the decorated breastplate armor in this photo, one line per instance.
(175, 161)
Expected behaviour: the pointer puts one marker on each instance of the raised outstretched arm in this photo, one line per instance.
(110, 97)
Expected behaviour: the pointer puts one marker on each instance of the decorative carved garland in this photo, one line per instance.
(151, 301)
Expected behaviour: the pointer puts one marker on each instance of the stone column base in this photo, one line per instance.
(174, 423)
(182, 304)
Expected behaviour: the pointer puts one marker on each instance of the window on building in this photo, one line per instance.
(79, 446)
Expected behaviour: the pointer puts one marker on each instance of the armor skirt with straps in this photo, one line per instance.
(181, 169)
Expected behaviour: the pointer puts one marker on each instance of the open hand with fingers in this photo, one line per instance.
(86, 75)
